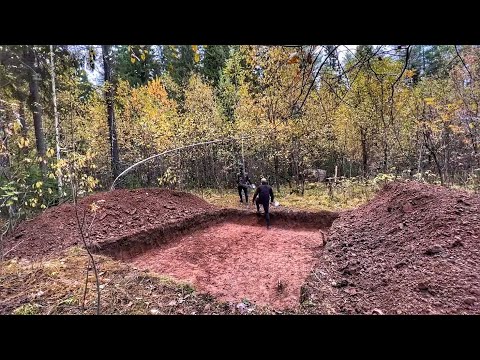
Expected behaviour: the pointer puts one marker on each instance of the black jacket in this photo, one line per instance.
(264, 192)
(243, 179)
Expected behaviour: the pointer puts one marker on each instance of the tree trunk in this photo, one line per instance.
(35, 106)
(432, 153)
(55, 113)
(385, 157)
(4, 155)
(277, 180)
(109, 93)
(439, 168)
(446, 155)
(22, 118)
(420, 162)
(363, 139)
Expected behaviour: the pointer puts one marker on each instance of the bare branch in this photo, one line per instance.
(316, 75)
(407, 56)
(463, 62)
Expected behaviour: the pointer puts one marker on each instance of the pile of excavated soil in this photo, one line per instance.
(120, 214)
(414, 249)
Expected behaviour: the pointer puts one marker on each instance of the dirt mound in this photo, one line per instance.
(120, 214)
(414, 249)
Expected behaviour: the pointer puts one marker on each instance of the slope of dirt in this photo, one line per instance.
(414, 249)
(120, 214)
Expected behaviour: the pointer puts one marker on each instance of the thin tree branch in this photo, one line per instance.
(463, 62)
(82, 236)
(407, 56)
(316, 75)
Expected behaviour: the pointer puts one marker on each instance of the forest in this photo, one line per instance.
(80, 119)
(92, 111)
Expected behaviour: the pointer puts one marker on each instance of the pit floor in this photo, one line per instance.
(236, 262)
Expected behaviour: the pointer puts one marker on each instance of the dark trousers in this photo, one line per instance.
(266, 205)
(245, 190)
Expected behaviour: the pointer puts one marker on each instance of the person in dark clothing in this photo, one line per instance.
(243, 182)
(265, 196)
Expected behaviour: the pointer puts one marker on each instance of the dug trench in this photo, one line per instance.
(230, 254)
(413, 249)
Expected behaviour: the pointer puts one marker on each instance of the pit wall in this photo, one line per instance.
(129, 246)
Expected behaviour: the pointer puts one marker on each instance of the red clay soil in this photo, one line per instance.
(121, 213)
(237, 261)
(414, 249)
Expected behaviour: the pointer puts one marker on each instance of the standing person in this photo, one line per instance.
(265, 196)
(243, 182)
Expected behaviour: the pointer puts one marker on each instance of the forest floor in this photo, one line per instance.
(412, 249)
(316, 197)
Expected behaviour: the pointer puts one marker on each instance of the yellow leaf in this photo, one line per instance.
(132, 59)
(38, 184)
(471, 125)
(409, 73)
(16, 127)
(143, 57)
(429, 101)
(94, 207)
(195, 48)
(294, 58)
(197, 57)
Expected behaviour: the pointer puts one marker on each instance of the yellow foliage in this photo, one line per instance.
(23, 142)
(455, 128)
(17, 127)
(293, 59)
(94, 207)
(409, 73)
(429, 101)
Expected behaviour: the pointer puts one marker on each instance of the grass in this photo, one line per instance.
(316, 196)
(27, 309)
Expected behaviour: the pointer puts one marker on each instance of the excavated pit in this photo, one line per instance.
(231, 255)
